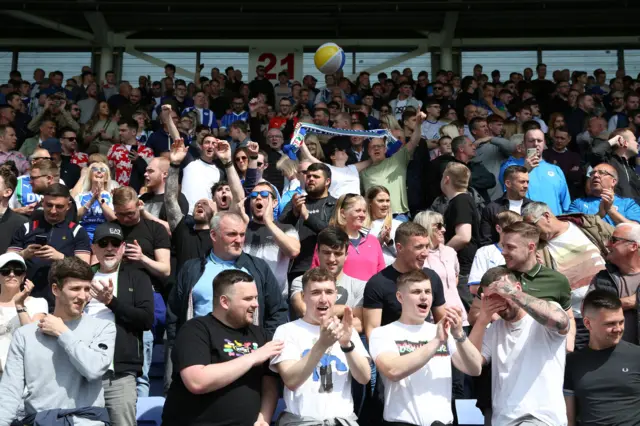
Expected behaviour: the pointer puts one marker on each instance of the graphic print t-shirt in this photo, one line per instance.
(204, 341)
(326, 394)
(425, 396)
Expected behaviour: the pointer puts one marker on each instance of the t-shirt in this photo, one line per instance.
(350, 290)
(424, 396)
(380, 293)
(204, 341)
(431, 130)
(197, 179)
(154, 204)
(392, 174)
(527, 366)
(9, 322)
(260, 242)
(94, 216)
(605, 384)
(344, 180)
(97, 309)
(461, 210)
(189, 243)
(326, 394)
(516, 206)
(202, 293)
(486, 258)
(577, 258)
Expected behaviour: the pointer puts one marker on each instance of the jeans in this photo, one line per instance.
(143, 381)
(120, 398)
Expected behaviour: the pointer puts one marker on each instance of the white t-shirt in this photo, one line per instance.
(527, 371)
(197, 179)
(350, 290)
(9, 322)
(431, 130)
(425, 396)
(486, 258)
(97, 309)
(344, 180)
(309, 400)
(515, 206)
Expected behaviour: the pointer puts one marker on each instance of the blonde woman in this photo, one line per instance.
(382, 224)
(94, 203)
(93, 158)
(364, 256)
(315, 148)
(442, 258)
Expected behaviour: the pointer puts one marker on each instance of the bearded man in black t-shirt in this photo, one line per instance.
(221, 362)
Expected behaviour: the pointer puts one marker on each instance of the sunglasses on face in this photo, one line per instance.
(439, 226)
(243, 158)
(103, 243)
(263, 194)
(260, 163)
(615, 240)
(71, 139)
(5, 272)
(99, 169)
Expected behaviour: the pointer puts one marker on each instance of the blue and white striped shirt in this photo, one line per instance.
(229, 118)
(206, 116)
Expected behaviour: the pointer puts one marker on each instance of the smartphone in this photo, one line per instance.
(531, 152)
(42, 240)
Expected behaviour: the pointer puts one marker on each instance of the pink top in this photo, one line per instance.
(362, 262)
(444, 261)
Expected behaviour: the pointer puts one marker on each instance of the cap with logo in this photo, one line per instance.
(108, 230)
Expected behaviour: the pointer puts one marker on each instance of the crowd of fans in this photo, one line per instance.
(488, 251)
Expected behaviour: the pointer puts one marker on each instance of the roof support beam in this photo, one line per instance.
(159, 63)
(47, 23)
(424, 48)
(99, 26)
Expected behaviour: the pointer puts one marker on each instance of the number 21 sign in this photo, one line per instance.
(275, 61)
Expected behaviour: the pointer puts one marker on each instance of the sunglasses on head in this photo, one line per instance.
(263, 194)
(7, 270)
(103, 243)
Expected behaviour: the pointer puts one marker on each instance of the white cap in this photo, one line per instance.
(11, 257)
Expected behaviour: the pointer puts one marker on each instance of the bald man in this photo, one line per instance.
(602, 200)
(155, 178)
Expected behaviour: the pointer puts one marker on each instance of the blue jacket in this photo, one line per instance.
(273, 308)
(627, 207)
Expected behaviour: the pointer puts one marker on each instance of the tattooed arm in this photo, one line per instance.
(546, 313)
(171, 194)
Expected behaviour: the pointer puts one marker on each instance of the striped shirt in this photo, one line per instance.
(229, 118)
(206, 117)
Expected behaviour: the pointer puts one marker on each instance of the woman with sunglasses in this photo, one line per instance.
(364, 256)
(94, 203)
(382, 224)
(17, 308)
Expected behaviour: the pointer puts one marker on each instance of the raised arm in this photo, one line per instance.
(305, 154)
(413, 142)
(223, 152)
(172, 186)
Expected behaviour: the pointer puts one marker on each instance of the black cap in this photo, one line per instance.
(108, 230)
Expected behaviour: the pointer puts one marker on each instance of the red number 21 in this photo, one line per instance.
(271, 61)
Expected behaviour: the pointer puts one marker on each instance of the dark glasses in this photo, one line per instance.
(5, 272)
(439, 226)
(99, 169)
(616, 240)
(263, 194)
(71, 139)
(260, 164)
(103, 243)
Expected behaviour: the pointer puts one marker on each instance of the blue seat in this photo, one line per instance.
(279, 409)
(149, 411)
(468, 413)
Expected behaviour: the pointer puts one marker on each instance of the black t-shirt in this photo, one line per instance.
(151, 236)
(462, 209)
(204, 341)
(219, 106)
(380, 293)
(189, 243)
(606, 384)
(154, 204)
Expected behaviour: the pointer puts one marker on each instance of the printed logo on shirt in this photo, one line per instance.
(551, 173)
(406, 347)
(235, 349)
(323, 372)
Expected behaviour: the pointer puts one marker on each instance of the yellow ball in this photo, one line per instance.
(329, 58)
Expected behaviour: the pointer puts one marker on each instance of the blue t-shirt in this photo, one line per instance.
(202, 293)
(94, 216)
(627, 207)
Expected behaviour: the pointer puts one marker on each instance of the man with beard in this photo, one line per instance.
(221, 361)
(192, 295)
(310, 213)
(529, 342)
(275, 242)
(61, 358)
(594, 387)
(123, 295)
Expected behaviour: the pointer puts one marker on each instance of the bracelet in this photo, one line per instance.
(349, 348)
(21, 310)
(253, 158)
(227, 165)
(462, 338)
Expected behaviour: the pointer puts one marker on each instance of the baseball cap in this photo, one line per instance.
(52, 145)
(11, 257)
(108, 230)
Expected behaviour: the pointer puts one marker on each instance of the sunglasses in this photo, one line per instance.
(34, 159)
(71, 139)
(263, 194)
(260, 164)
(5, 272)
(615, 240)
(103, 243)
(439, 226)
(99, 169)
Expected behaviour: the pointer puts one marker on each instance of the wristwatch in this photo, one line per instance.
(227, 165)
(462, 338)
(349, 348)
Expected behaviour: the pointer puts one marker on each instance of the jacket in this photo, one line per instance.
(489, 219)
(133, 308)
(273, 308)
(592, 226)
(628, 180)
